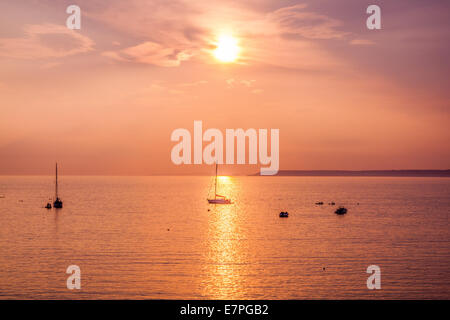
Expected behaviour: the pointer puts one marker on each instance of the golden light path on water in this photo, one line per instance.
(226, 247)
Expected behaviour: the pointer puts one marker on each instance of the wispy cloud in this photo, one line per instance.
(180, 31)
(45, 41)
(296, 21)
(235, 82)
(194, 84)
(51, 65)
(161, 32)
(150, 53)
(361, 42)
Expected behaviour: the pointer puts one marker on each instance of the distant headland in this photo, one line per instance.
(364, 173)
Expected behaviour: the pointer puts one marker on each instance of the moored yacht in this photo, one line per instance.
(58, 202)
(218, 199)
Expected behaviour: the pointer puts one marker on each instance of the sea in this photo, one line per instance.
(156, 237)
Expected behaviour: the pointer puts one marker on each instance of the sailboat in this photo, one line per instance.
(218, 199)
(58, 203)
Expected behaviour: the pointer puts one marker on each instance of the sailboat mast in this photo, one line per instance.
(215, 187)
(56, 184)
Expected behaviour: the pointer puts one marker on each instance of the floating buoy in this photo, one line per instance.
(341, 210)
(48, 206)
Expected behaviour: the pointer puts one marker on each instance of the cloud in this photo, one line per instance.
(361, 42)
(50, 65)
(45, 41)
(234, 82)
(167, 32)
(230, 82)
(194, 84)
(294, 21)
(247, 83)
(150, 53)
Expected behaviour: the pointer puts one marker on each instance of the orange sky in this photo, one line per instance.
(105, 99)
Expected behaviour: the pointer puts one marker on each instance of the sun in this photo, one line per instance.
(227, 49)
(224, 178)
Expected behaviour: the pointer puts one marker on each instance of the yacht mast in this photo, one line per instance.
(56, 184)
(215, 187)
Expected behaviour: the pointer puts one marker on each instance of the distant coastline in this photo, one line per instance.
(363, 173)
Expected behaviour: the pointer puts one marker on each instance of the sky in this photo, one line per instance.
(104, 100)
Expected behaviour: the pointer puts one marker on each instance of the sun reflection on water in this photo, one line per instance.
(227, 254)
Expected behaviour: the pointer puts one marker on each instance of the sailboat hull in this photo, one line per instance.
(219, 201)
(57, 204)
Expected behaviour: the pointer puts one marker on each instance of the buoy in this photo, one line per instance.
(341, 210)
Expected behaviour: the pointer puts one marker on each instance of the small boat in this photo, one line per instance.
(319, 203)
(218, 199)
(284, 214)
(48, 206)
(341, 210)
(331, 203)
(57, 203)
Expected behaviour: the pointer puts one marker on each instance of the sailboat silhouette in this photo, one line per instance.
(58, 203)
(218, 199)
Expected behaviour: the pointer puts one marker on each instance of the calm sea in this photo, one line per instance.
(158, 238)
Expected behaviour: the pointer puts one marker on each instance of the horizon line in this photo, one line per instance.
(289, 172)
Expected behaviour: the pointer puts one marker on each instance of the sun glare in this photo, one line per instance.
(224, 178)
(227, 49)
